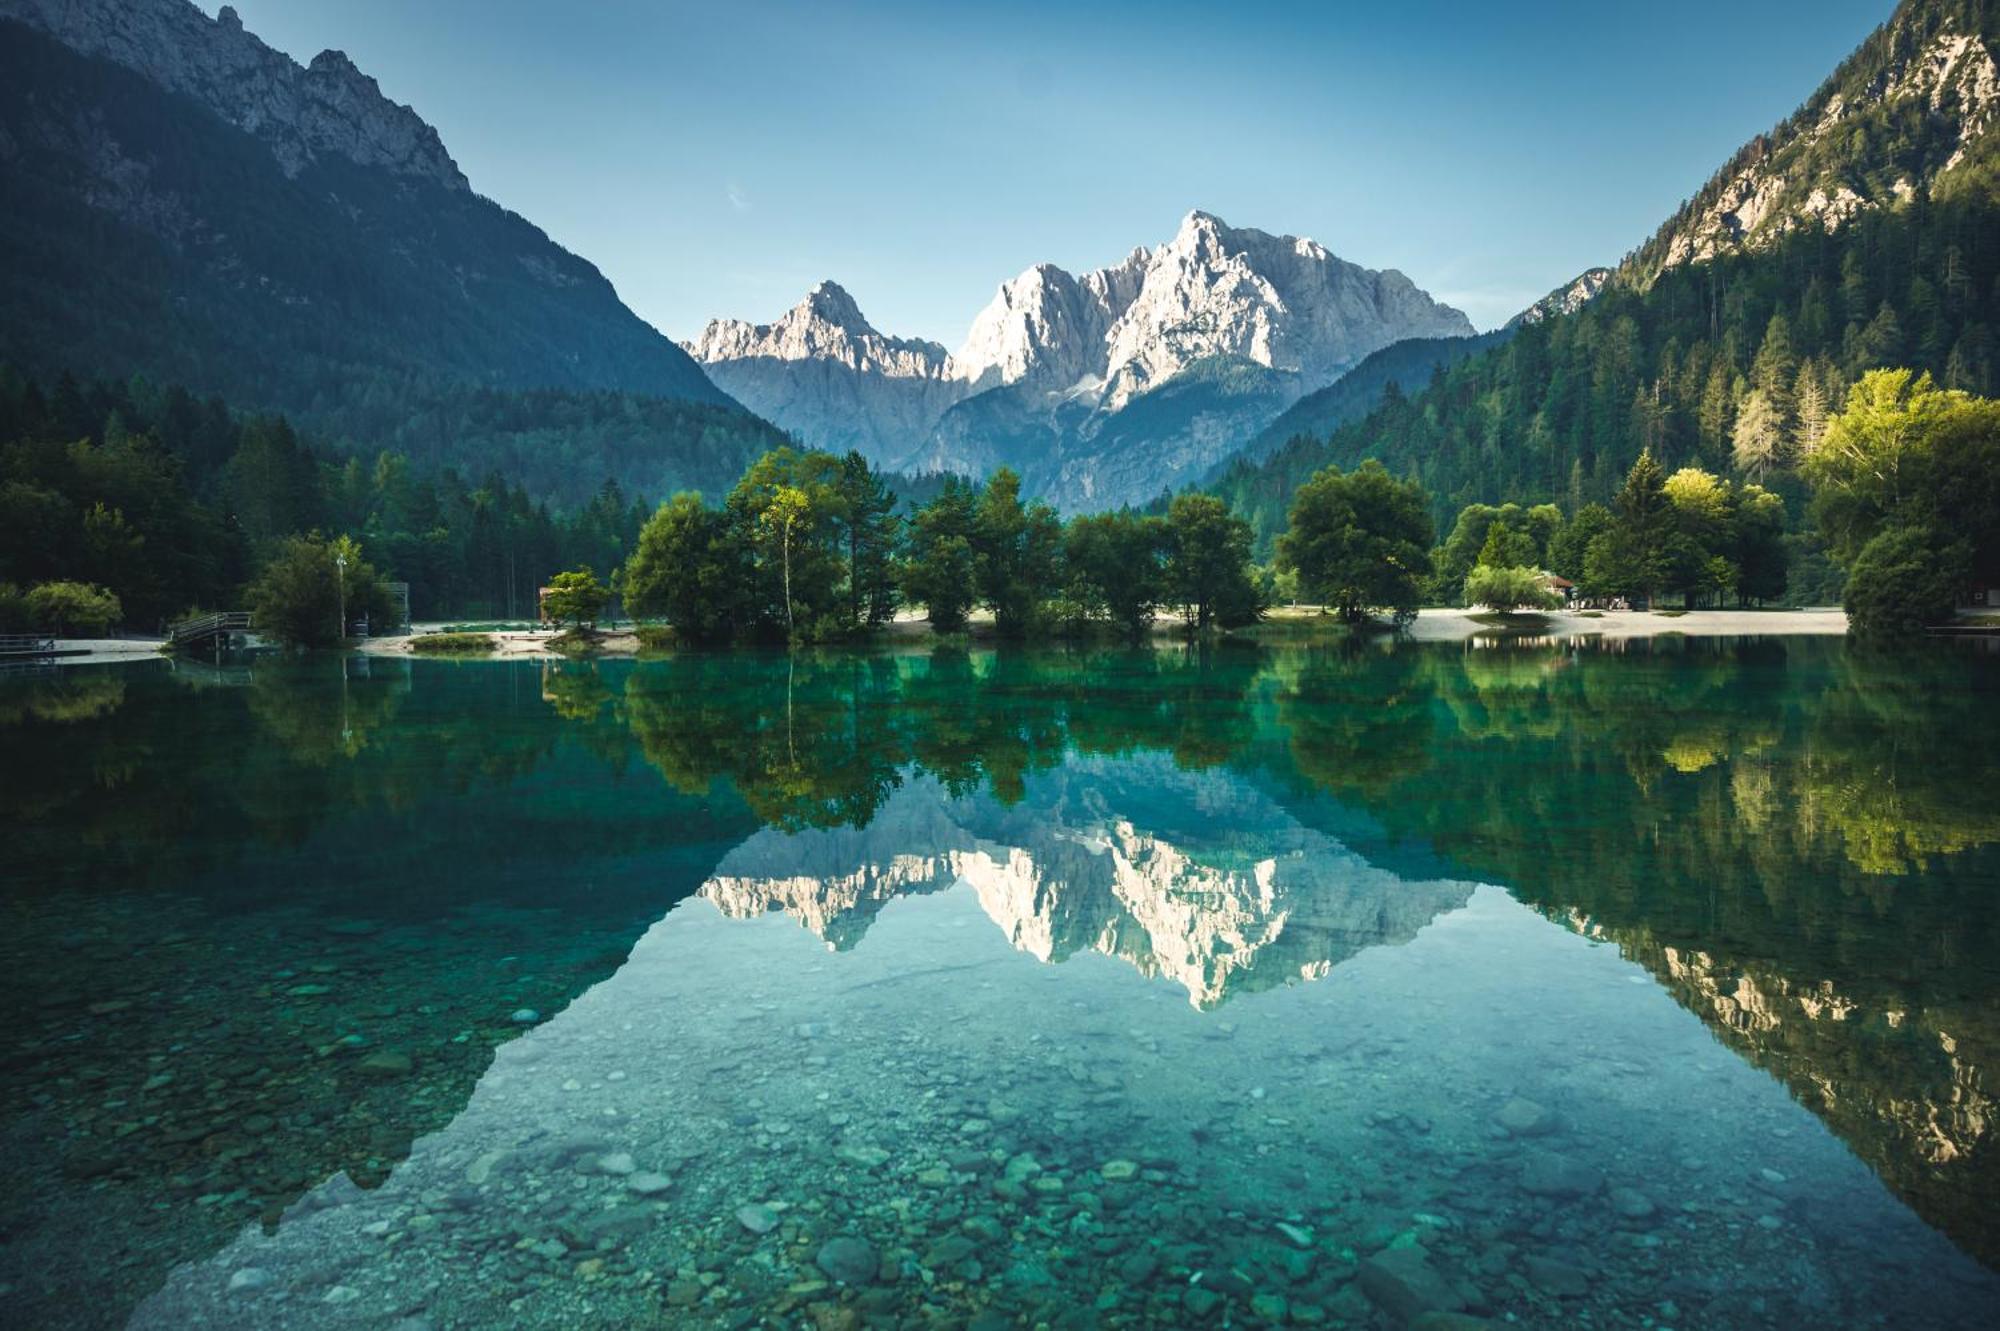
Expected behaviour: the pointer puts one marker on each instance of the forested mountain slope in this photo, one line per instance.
(1734, 359)
(186, 203)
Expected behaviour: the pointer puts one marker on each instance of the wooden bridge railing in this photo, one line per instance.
(207, 626)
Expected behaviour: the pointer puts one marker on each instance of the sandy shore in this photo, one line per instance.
(1437, 625)
(1455, 625)
(84, 651)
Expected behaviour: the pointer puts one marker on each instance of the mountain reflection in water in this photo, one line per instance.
(273, 923)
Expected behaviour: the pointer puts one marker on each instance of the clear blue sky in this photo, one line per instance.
(719, 158)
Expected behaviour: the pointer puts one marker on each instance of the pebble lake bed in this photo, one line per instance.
(934, 991)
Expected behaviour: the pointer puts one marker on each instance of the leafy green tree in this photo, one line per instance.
(1506, 546)
(789, 504)
(1905, 453)
(1757, 443)
(1359, 541)
(1509, 589)
(1903, 579)
(689, 568)
(1117, 569)
(1644, 518)
(303, 598)
(1697, 557)
(1016, 551)
(1572, 541)
(1762, 568)
(575, 598)
(937, 567)
(870, 529)
(1208, 563)
(61, 607)
(1461, 549)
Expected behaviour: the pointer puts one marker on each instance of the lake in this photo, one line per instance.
(1653, 984)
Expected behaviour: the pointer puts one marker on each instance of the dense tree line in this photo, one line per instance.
(1734, 366)
(172, 502)
(1692, 535)
(812, 547)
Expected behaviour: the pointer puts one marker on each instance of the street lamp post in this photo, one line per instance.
(340, 575)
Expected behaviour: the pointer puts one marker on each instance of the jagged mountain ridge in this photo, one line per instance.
(1230, 324)
(1911, 112)
(328, 107)
(1265, 901)
(823, 362)
(186, 203)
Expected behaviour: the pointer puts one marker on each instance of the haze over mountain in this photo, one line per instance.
(1101, 389)
(186, 202)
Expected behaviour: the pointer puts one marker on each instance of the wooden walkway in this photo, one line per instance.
(212, 629)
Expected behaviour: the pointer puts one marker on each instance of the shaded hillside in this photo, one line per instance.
(145, 233)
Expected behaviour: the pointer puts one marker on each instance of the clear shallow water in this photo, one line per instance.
(1560, 985)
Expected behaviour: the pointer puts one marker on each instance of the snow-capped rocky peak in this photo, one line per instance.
(823, 372)
(826, 324)
(301, 114)
(1047, 328)
(1284, 302)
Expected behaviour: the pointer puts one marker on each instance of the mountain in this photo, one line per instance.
(1406, 364)
(824, 371)
(1101, 389)
(1568, 298)
(187, 203)
(1906, 116)
(1790, 301)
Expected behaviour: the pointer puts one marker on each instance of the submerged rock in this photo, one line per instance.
(1547, 1174)
(1632, 1204)
(1403, 1283)
(1524, 1118)
(849, 1260)
(646, 1183)
(756, 1218)
(385, 1065)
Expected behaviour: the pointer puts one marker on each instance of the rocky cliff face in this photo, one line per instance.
(1281, 302)
(1107, 857)
(826, 374)
(328, 108)
(1205, 338)
(1565, 299)
(1907, 115)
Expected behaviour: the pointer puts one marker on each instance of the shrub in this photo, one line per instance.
(1508, 588)
(62, 606)
(654, 637)
(452, 644)
(1903, 579)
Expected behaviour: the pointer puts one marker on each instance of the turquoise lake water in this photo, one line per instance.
(1653, 985)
